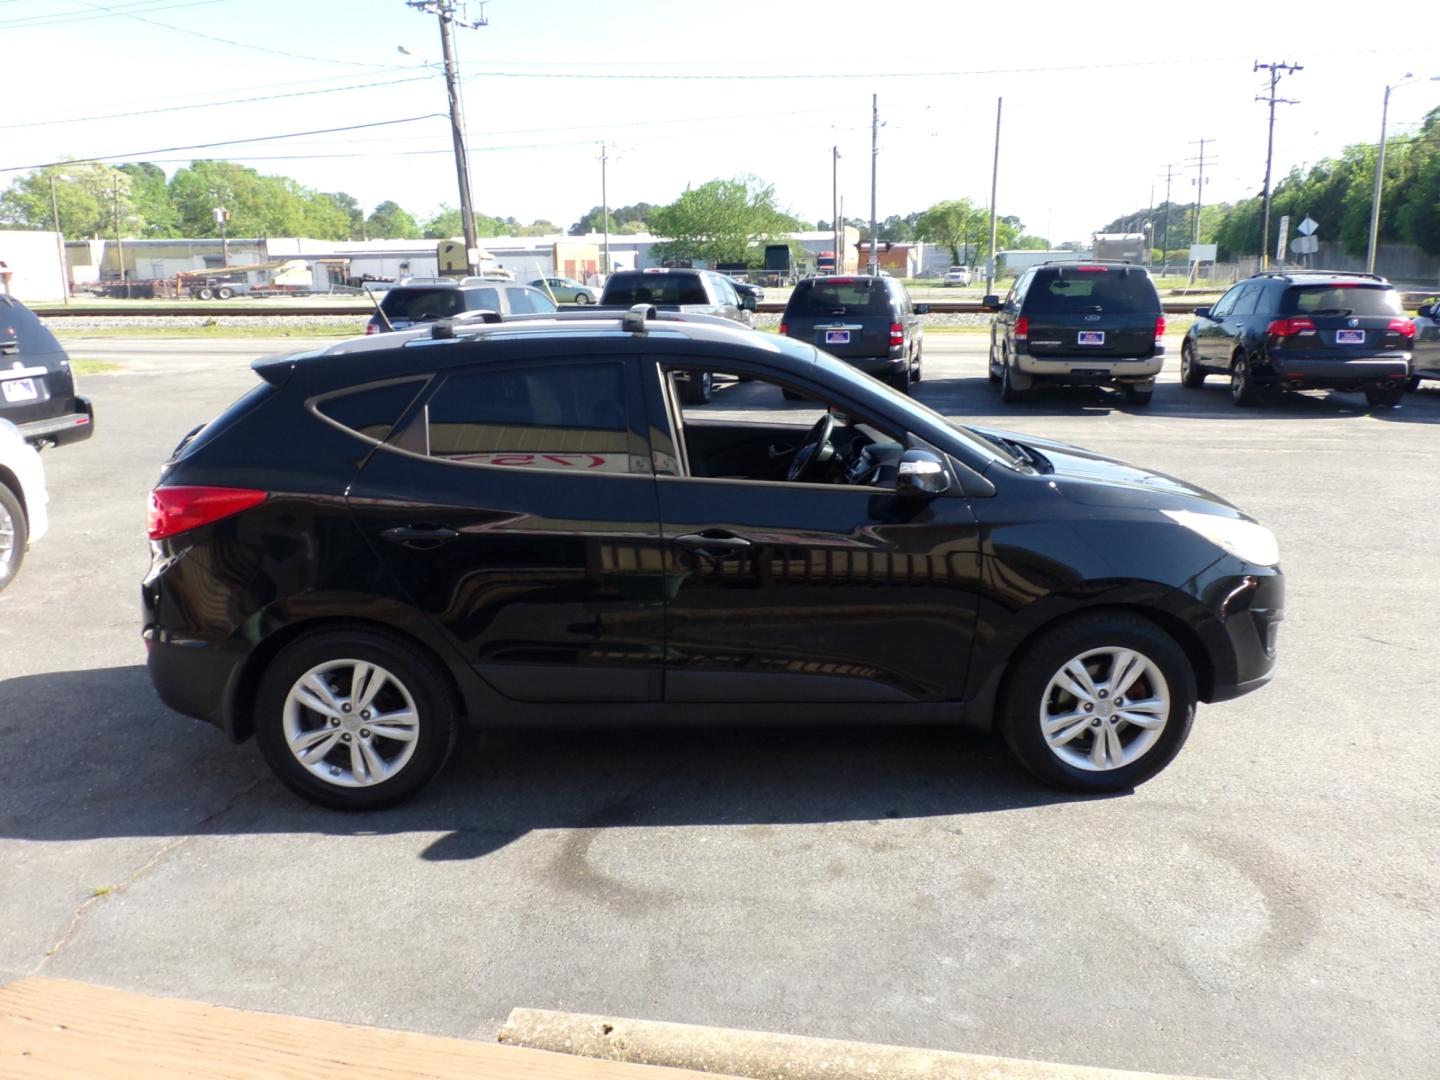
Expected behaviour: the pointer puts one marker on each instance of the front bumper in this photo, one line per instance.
(70, 427)
(1251, 608)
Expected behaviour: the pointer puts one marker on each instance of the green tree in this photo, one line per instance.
(155, 215)
(721, 221)
(389, 221)
(620, 216)
(90, 196)
(956, 224)
(328, 216)
(259, 205)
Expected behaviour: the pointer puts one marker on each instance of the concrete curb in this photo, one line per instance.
(760, 1055)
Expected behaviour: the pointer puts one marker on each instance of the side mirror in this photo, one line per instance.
(748, 302)
(990, 302)
(921, 475)
(1202, 312)
(922, 309)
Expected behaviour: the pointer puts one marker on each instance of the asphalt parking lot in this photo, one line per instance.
(1265, 907)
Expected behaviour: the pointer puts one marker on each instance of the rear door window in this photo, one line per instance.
(22, 332)
(483, 299)
(1121, 292)
(1246, 301)
(1342, 298)
(840, 296)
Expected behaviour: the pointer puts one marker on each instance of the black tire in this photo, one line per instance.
(695, 391)
(14, 528)
(1008, 393)
(224, 294)
(1192, 376)
(1384, 397)
(206, 294)
(1412, 384)
(583, 298)
(901, 380)
(990, 372)
(1028, 690)
(413, 670)
(916, 372)
(1134, 396)
(1243, 391)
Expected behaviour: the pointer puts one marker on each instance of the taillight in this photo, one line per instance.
(784, 329)
(175, 510)
(371, 328)
(897, 334)
(1159, 327)
(1093, 269)
(1290, 328)
(1022, 328)
(1403, 327)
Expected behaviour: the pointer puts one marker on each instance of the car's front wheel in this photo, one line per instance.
(1243, 391)
(1009, 393)
(1102, 702)
(1192, 376)
(583, 298)
(14, 534)
(354, 719)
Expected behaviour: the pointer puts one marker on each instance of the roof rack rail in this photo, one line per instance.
(633, 321)
(1321, 273)
(445, 328)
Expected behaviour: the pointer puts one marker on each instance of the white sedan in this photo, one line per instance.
(23, 499)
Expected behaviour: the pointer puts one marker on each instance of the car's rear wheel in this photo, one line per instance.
(1099, 703)
(1191, 374)
(1384, 397)
(354, 720)
(1008, 392)
(14, 534)
(1134, 395)
(1243, 391)
(1412, 384)
(583, 298)
(902, 378)
(206, 294)
(990, 366)
(915, 372)
(697, 389)
(224, 294)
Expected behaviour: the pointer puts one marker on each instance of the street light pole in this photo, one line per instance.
(1380, 171)
(59, 242)
(835, 267)
(874, 263)
(994, 182)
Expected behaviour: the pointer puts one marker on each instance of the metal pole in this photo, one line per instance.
(59, 242)
(1375, 195)
(1269, 155)
(1199, 193)
(446, 13)
(994, 182)
(605, 204)
(224, 243)
(835, 267)
(874, 263)
(1165, 258)
(119, 244)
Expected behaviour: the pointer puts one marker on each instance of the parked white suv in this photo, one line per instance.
(957, 275)
(22, 500)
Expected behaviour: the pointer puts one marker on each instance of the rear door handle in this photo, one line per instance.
(713, 547)
(419, 536)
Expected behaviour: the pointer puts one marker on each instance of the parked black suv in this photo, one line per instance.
(1304, 330)
(37, 387)
(521, 524)
(410, 303)
(868, 322)
(1069, 323)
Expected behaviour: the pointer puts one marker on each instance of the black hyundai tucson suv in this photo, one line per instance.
(37, 387)
(1304, 330)
(1068, 323)
(520, 523)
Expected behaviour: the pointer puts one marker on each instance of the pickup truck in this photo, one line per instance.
(702, 292)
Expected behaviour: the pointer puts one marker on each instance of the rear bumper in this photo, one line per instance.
(876, 365)
(67, 428)
(1339, 372)
(1091, 368)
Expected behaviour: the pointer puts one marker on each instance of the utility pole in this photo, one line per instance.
(1276, 70)
(1199, 186)
(119, 246)
(59, 241)
(994, 182)
(1165, 258)
(445, 11)
(874, 263)
(835, 226)
(605, 205)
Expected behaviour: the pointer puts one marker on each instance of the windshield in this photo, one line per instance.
(840, 296)
(1121, 291)
(418, 305)
(1342, 298)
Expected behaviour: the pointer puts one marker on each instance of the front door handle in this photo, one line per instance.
(718, 546)
(419, 536)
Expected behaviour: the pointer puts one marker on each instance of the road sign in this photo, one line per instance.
(1308, 226)
(1284, 236)
(1203, 252)
(1305, 245)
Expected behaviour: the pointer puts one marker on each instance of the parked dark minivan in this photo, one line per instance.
(37, 387)
(1069, 324)
(869, 322)
(522, 523)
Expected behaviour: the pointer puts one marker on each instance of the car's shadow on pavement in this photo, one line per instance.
(91, 754)
(970, 397)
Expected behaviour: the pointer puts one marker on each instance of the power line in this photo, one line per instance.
(1276, 70)
(145, 154)
(28, 22)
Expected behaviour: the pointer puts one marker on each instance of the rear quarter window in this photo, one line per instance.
(1116, 291)
(22, 332)
(371, 411)
(247, 403)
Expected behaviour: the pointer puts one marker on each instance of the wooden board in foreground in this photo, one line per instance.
(62, 1029)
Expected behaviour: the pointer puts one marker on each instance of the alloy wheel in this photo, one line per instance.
(351, 723)
(1104, 709)
(8, 545)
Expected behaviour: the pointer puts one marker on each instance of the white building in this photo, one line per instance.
(30, 266)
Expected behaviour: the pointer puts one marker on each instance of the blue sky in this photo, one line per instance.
(1098, 98)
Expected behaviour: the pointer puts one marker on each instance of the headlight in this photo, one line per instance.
(1245, 540)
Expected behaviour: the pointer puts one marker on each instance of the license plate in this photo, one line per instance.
(1090, 337)
(1349, 337)
(837, 337)
(20, 390)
